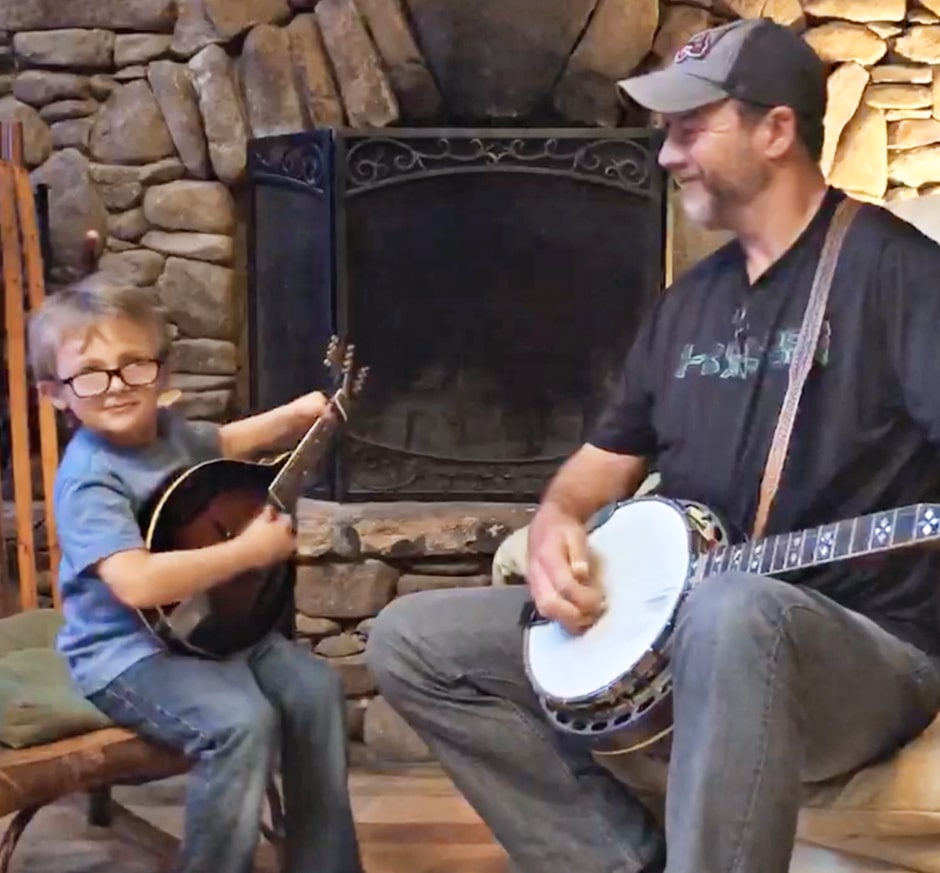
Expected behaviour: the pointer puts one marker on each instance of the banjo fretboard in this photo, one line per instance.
(852, 538)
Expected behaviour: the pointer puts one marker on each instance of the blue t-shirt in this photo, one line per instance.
(99, 490)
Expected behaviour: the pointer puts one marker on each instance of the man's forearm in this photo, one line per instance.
(572, 496)
(589, 480)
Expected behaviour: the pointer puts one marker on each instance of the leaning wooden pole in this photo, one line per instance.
(24, 290)
(10, 146)
(48, 432)
(14, 312)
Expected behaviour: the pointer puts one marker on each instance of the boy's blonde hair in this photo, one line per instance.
(83, 304)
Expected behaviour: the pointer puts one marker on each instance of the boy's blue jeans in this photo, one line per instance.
(231, 717)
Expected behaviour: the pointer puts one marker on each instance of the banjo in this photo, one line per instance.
(612, 685)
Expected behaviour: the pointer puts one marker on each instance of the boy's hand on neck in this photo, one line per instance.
(277, 429)
(309, 407)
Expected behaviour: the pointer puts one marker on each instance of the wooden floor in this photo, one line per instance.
(416, 822)
(409, 821)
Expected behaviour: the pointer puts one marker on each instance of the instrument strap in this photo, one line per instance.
(802, 360)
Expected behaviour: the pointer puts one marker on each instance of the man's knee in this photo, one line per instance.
(732, 608)
(392, 639)
(429, 634)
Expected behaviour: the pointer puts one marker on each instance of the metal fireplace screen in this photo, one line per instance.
(491, 280)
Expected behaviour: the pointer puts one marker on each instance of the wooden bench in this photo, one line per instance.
(32, 778)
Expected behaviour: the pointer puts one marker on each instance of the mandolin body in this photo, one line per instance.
(199, 507)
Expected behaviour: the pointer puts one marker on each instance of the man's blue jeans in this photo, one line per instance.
(775, 687)
(232, 717)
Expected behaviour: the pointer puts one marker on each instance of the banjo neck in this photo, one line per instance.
(852, 538)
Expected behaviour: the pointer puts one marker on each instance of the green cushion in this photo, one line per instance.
(38, 703)
(33, 629)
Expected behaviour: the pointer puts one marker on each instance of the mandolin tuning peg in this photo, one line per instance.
(333, 352)
(360, 379)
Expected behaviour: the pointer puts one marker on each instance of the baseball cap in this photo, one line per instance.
(755, 60)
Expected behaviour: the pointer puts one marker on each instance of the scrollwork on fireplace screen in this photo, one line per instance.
(384, 471)
(384, 160)
(303, 163)
(573, 212)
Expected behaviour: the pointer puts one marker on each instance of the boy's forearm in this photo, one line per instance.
(274, 430)
(144, 579)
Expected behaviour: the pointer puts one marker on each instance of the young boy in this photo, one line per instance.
(100, 352)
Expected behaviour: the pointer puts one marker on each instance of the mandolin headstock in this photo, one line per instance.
(297, 471)
(340, 360)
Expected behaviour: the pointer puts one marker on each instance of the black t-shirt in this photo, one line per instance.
(705, 378)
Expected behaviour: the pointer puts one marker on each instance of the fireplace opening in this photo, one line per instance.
(491, 280)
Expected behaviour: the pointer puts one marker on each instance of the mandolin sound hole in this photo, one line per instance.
(223, 532)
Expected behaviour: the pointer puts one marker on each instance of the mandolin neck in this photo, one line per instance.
(299, 469)
(852, 538)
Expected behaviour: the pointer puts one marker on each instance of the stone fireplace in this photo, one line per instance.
(490, 278)
(209, 145)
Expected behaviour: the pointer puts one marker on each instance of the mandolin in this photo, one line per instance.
(214, 501)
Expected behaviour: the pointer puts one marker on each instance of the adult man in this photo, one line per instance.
(777, 682)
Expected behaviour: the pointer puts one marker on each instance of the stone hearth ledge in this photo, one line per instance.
(406, 529)
(355, 559)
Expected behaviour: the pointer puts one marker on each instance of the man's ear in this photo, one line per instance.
(53, 392)
(781, 134)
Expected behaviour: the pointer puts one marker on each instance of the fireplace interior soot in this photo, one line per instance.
(492, 281)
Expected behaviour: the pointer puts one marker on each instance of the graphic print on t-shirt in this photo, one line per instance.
(740, 359)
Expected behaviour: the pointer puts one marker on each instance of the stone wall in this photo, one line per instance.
(882, 128)
(137, 112)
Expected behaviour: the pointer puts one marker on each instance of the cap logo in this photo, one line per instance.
(697, 48)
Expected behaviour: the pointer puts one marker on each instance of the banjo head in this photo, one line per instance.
(642, 554)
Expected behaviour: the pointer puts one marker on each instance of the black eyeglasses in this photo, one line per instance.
(134, 374)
